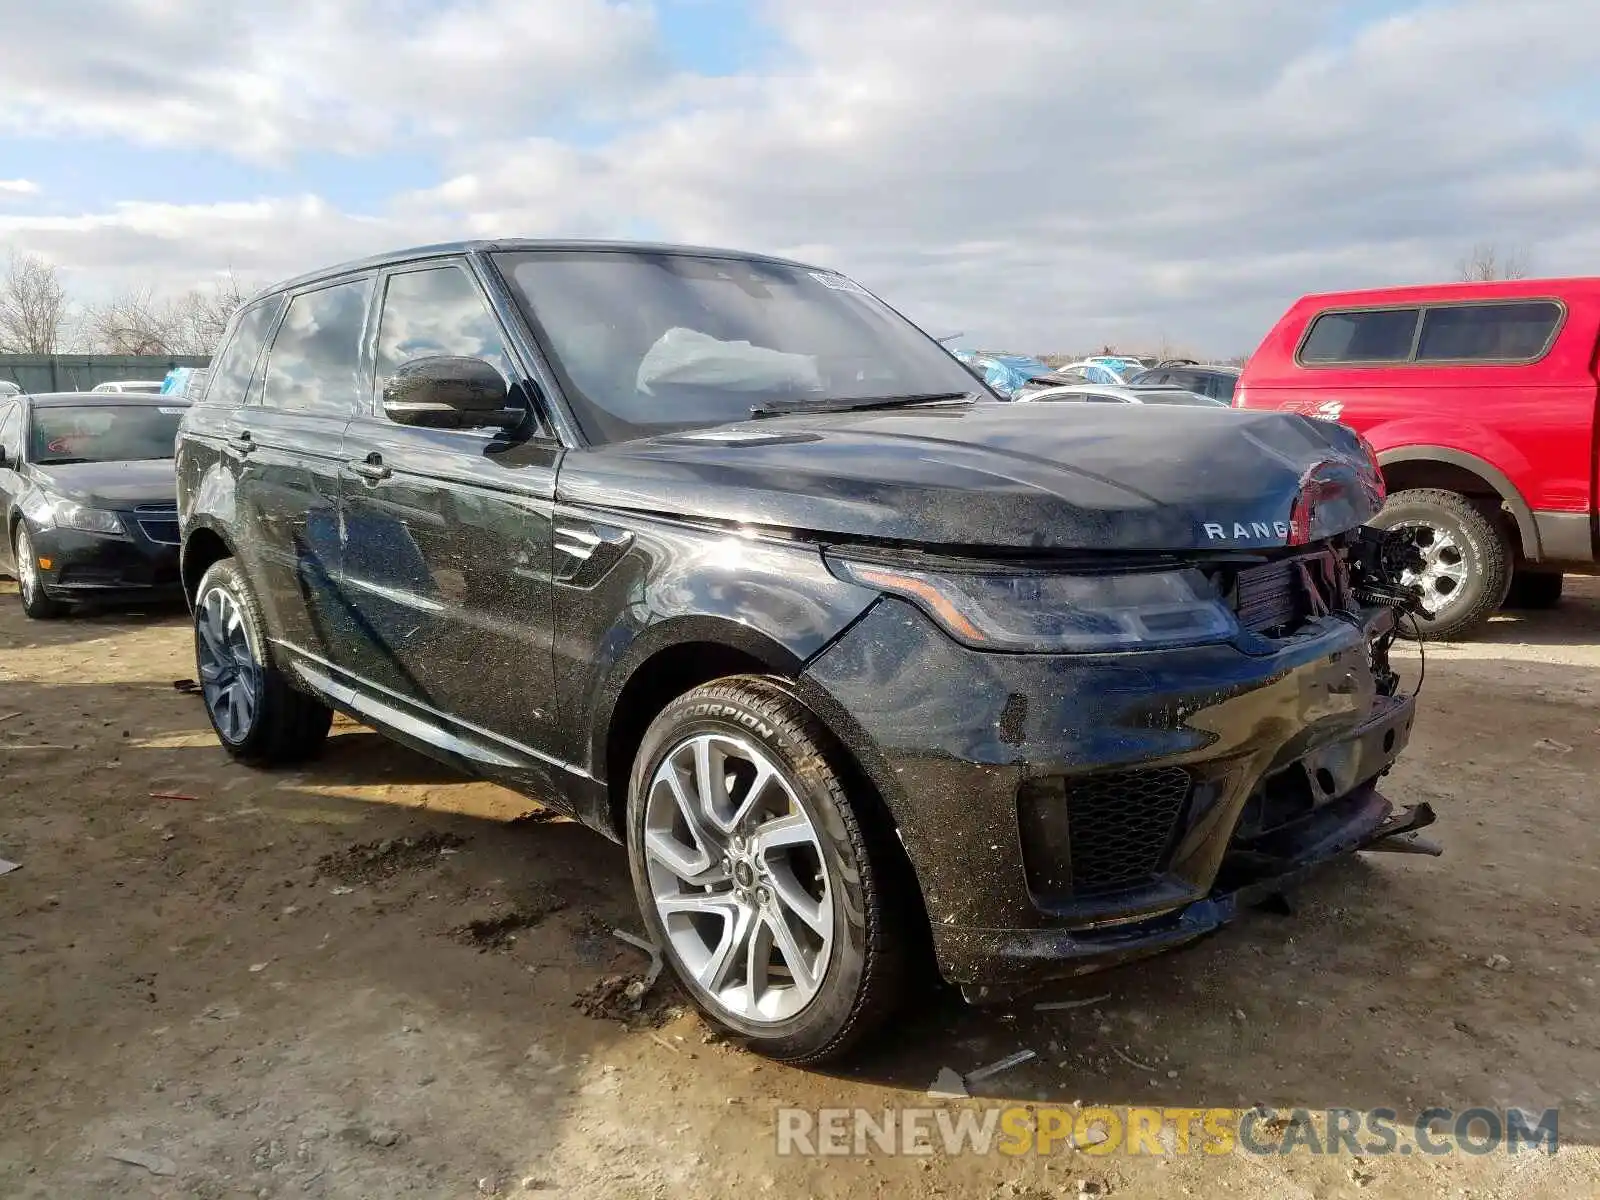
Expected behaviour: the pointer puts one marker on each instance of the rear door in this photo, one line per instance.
(448, 547)
(289, 443)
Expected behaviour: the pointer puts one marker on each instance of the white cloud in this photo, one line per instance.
(1041, 173)
(18, 187)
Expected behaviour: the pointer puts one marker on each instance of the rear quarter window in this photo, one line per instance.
(236, 364)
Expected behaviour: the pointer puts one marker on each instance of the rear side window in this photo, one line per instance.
(315, 360)
(1372, 336)
(1488, 332)
(237, 362)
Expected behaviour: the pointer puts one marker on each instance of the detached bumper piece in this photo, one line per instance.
(1398, 835)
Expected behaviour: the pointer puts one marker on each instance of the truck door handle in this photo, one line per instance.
(242, 442)
(371, 468)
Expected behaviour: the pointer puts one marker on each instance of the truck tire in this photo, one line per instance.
(1467, 554)
(771, 897)
(1535, 589)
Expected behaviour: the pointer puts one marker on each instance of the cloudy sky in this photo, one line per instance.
(1041, 174)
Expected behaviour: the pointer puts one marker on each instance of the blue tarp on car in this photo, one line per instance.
(1005, 373)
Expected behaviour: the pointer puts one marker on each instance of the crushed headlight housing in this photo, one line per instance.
(1049, 612)
(67, 514)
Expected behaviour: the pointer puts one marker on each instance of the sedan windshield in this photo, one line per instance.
(648, 343)
(103, 433)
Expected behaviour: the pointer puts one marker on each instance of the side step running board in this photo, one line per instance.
(1398, 835)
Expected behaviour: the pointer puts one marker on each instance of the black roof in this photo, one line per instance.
(103, 399)
(443, 249)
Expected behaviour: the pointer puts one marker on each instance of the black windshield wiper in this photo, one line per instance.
(782, 408)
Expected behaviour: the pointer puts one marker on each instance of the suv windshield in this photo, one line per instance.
(103, 433)
(655, 342)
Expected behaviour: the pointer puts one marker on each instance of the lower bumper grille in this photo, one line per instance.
(1101, 832)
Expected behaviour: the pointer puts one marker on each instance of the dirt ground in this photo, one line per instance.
(358, 980)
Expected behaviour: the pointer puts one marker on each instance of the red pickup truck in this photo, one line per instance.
(1480, 400)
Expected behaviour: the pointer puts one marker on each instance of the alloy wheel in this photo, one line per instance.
(230, 675)
(1444, 567)
(27, 568)
(738, 878)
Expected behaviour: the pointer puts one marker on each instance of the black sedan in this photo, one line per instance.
(89, 499)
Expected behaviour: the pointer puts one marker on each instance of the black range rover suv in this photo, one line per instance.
(722, 556)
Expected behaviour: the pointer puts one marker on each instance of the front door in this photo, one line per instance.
(447, 535)
(289, 448)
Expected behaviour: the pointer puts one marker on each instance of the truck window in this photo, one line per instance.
(1370, 336)
(1498, 332)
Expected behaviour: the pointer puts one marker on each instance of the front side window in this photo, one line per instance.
(103, 433)
(315, 359)
(437, 311)
(1374, 335)
(1504, 332)
(648, 343)
(237, 362)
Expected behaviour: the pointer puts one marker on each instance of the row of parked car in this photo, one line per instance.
(1105, 379)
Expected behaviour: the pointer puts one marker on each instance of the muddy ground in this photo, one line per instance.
(358, 980)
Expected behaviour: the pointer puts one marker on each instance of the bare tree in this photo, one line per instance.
(1485, 263)
(135, 322)
(33, 306)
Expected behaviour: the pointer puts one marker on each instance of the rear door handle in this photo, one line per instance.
(371, 468)
(242, 442)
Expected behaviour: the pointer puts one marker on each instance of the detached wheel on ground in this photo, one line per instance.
(1466, 559)
(30, 587)
(763, 884)
(1535, 589)
(260, 718)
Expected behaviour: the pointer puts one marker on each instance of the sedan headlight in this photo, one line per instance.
(1043, 612)
(67, 514)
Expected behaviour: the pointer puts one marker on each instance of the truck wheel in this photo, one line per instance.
(1535, 589)
(259, 717)
(30, 587)
(1466, 560)
(756, 876)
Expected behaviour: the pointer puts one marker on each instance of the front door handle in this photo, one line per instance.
(371, 468)
(242, 442)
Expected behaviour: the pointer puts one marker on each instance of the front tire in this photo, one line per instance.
(758, 877)
(36, 604)
(1467, 560)
(259, 717)
(1535, 589)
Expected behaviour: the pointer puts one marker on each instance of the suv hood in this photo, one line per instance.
(111, 484)
(1001, 477)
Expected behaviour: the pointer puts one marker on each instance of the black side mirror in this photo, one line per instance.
(448, 391)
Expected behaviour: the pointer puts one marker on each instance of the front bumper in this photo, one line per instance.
(139, 565)
(1067, 812)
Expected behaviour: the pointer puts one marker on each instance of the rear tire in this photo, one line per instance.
(1535, 589)
(259, 717)
(734, 872)
(35, 603)
(1468, 553)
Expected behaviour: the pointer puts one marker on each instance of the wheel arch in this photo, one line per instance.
(203, 546)
(1409, 467)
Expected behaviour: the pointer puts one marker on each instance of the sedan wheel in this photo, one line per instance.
(30, 587)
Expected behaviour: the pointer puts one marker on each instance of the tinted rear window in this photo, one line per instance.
(1376, 335)
(1497, 332)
